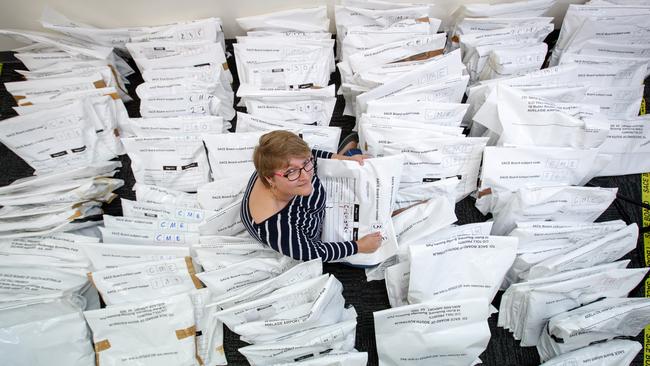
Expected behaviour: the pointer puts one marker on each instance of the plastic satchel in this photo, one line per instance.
(179, 163)
(303, 20)
(360, 201)
(145, 280)
(310, 303)
(49, 332)
(455, 331)
(154, 332)
(70, 144)
(317, 137)
(605, 319)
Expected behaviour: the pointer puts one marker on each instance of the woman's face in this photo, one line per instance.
(300, 167)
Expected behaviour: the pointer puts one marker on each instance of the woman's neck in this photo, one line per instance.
(280, 198)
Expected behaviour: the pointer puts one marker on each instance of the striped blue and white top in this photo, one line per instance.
(295, 230)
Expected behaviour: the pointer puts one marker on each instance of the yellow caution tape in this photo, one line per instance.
(642, 109)
(1, 68)
(645, 217)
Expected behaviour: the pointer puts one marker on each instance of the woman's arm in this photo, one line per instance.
(299, 246)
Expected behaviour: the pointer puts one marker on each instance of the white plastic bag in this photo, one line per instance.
(550, 203)
(127, 223)
(209, 330)
(20, 284)
(50, 140)
(107, 168)
(360, 201)
(184, 97)
(508, 168)
(627, 143)
(417, 47)
(303, 20)
(146, 193)
(603, 250)
(514, 61)
(299, 273)
(143, 237)
(232, 280)
(173, 162)
(166, 211)
(154, 332)
(434, 159)
(305, 345)
(222, 193)
(445, 114)
(46, 333)
(447, 333)
(226, 221)
(145, 280)
(550, 299)
(47, 252)
(617, 352)
(175, 126)
(108, 256)
(230, 156)
(436, 69)
(296, 110)
(421, 220)
(315, 302)
(161, 54)
(466, 267)
(608, 71)
(527, 120)
(598, 321)
(417, 193)
(324, 138)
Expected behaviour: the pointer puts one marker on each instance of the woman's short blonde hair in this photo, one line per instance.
(274, 151)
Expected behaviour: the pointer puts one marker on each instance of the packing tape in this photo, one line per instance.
(190, 268)
(99, 347)
(102, 345)
(185, 333)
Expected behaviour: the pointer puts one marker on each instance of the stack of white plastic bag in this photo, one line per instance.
(526, 307)
(441, 315)
(501, 40)
(69, 106)
(394, 120)
(603, 320)
(77, 51)
(615, 62)
(185, 71)
(156, 308)
(379, 41)
(43, 284)
(287, 310)
(57, 201)
(543, 155)
(284, 65)
(187, 92)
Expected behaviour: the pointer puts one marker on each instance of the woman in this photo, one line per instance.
(284, 202)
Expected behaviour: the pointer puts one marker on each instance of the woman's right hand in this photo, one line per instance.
(369, 243)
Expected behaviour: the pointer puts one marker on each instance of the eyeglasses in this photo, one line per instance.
(294, 174)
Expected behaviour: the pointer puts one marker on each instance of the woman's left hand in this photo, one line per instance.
(358, 158)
